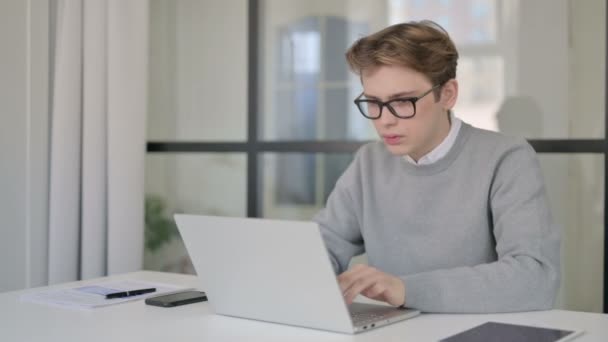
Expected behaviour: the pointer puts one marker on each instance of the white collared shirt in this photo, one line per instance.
(442, 149)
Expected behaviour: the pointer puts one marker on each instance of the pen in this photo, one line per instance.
(129, 293)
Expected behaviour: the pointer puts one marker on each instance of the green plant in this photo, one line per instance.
(160, 229)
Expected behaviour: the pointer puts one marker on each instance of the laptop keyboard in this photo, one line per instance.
(366, 317)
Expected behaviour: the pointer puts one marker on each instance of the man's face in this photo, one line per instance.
(415, 136)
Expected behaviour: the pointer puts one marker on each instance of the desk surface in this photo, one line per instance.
(135, 321)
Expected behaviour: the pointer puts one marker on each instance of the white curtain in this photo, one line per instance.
(98, 95)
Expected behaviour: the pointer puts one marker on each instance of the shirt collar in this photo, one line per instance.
(442, 149)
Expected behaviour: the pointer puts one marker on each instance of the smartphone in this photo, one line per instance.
(177, 299)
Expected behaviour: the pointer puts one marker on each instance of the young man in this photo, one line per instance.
(452, 218)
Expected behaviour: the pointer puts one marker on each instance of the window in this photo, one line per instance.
(273, 143)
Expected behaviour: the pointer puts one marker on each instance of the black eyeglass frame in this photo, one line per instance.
(359, 102)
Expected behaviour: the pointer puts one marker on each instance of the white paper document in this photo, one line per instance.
(94, 295)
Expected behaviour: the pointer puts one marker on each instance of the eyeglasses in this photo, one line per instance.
(403, 108)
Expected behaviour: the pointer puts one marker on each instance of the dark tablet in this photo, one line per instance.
(499, 332)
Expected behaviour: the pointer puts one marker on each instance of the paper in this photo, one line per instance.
(94, 295)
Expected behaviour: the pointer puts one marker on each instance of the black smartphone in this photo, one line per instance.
(177, 299)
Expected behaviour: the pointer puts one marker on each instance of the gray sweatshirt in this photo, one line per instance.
(470, 233)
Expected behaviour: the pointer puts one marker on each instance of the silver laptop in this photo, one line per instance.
(275, 271)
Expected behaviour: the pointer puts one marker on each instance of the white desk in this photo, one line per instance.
(135, 321)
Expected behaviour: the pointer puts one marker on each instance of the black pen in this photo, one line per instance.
(129, 293)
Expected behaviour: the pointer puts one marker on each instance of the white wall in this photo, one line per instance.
(587, 67)
(583, 251)
(23, 142)
(542, 65)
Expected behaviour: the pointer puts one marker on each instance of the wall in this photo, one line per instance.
(583, 252)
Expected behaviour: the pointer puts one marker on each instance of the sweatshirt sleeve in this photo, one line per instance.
(527, 273)
(339, 224)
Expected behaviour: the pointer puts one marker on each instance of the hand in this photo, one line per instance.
(372, 283)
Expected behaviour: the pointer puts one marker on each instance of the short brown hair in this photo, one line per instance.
(423, 46)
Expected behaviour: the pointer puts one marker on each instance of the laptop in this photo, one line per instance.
(275, 271)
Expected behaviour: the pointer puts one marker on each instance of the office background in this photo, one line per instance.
(249, 113)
